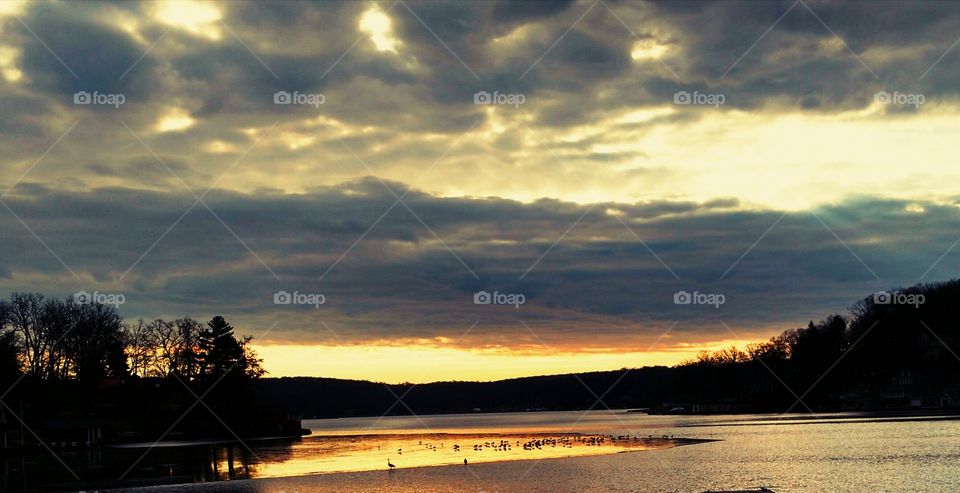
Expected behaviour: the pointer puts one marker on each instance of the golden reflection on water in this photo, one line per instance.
(371, 452)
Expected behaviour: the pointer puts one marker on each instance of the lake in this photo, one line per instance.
(571, 452)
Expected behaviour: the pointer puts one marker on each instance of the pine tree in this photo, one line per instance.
(220, 351)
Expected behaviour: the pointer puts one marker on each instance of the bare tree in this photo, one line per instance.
(161, 348)
(26, 317)
(187, 362)
(168, 344)
(60, 339)
(140, 350)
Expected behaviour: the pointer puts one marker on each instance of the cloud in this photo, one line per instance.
(577, 136)
(388, 277)
(55, 62)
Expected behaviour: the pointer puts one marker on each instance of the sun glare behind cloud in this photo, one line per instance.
(379, 26)
(648, 50)
(198, 18)
(175, 120)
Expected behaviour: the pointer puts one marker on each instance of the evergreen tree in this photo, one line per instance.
(220, 351)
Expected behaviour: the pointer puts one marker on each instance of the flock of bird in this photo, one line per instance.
(537, 443)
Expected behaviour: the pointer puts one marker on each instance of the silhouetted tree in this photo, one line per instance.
(220, 352)
(9, 349)
(189, 333)
(25, 313)
(59, 339)
(141, 353)
(95, 345)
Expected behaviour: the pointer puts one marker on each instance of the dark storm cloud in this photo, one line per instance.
(95, 55)
(801, 60)
(20, 117)
(516, 12)
(399, 281)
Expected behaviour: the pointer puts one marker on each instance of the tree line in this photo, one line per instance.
(53, 339)
(880, 349)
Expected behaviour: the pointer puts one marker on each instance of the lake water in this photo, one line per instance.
(574, 452)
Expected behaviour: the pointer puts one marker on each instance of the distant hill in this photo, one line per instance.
(326, 397)
(892, 351)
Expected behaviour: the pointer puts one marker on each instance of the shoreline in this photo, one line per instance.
(833, 419)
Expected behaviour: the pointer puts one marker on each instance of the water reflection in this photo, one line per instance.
(192, 462)
(372, 452)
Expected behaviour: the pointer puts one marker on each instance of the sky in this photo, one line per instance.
(419, 191)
